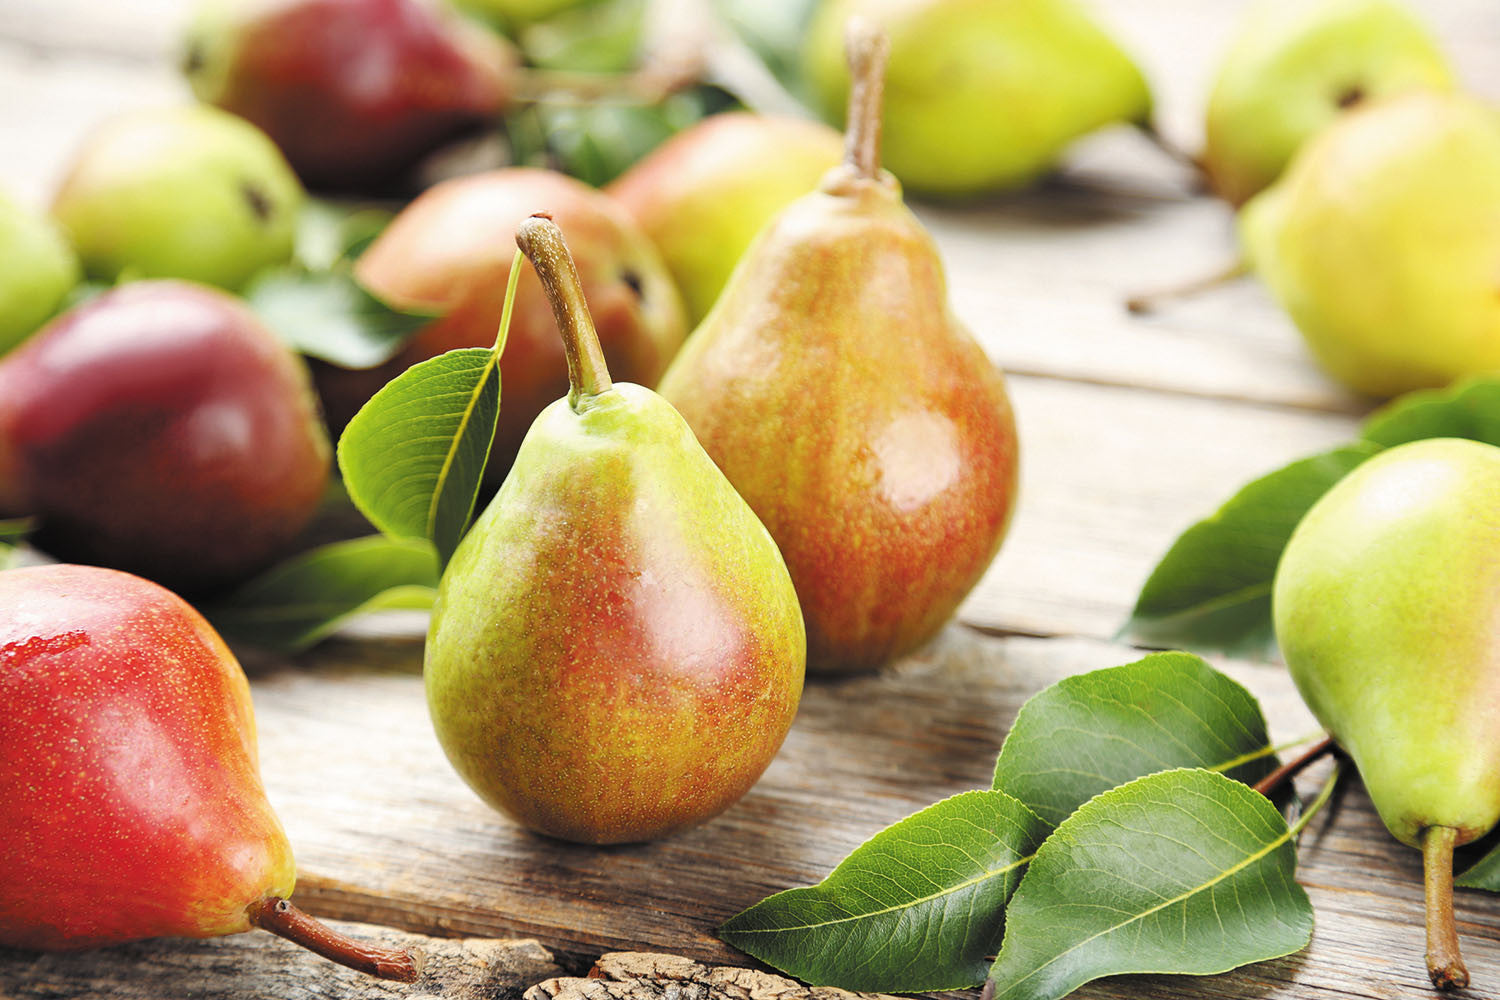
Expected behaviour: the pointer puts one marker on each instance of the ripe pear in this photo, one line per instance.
(1387, 609)
(616, 651)
(354, 92)
(40, 268)
(159, 428)
(1381, 241)
(133, 800)
(189, 192)
(1294, 67)
(848, 405)
(704, 194)
(445, 254)
(980, 96)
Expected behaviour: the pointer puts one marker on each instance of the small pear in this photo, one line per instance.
(189, 192)
(616, 651)
(1294, 67)
(40, 268)
(1387, 609)
(981, 95)
(1381, 241)
(705, 193)
(844, 400)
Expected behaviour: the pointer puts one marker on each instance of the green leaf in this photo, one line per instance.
(1212, 590)
(15, 529)
(294, 605)
(1089, 733)
(329, 315)
(330, 234)
(1469, 409)
(1480, 863)
(1183, 871)
(600, 37)
(775, 31)
(917, 907)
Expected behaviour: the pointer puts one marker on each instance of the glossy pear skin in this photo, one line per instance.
(1297, 65)
(40, 268)
(616, 652)
(1387, 608)
(133, 800)
(858, 418)
(353, 91)
(160, 428)
(190, 192)
(450, 253)
(980, 96)
(704, 194)
(1381, 241)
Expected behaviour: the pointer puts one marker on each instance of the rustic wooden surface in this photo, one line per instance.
(1131, 429)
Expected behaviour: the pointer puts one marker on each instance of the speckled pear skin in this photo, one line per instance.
(1387, 609)
(859, 419)
(616, 652)
(133, 804)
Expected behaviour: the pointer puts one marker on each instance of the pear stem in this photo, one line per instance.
(542, 242)
(1148, 302)
(1445, 966)
(866, 47)
(281, 918)
(1294, 767)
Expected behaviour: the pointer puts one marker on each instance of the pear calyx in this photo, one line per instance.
(1445, 965)
(542, 243)
(281, 918)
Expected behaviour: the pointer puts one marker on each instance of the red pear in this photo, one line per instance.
(133, 801)
(450, 253)
(354, 92)
(159, 428)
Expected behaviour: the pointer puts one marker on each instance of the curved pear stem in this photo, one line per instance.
(1267, 785)
(867, 48)
(1445, 966)
(1148, 302)
(281, 918)
(542, 242)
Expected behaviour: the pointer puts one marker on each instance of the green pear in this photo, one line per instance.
(40, 268)
(188, 192)
(616, 651)
(1387, 609)
(1381, 241)
(1294, 67)
(704, 194)
(980, 95)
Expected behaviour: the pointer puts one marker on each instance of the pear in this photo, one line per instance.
(354, 92)
(40, 268)
(1387, 609)
(705, 193)
(847, 404)
(1295, 66)
(1381, 241)
(133, 801)
(981, 96)
(616, 651)
(188, 192)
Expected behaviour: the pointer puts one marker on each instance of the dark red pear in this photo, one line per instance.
(161, 429)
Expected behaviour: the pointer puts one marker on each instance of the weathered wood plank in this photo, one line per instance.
(636, 975)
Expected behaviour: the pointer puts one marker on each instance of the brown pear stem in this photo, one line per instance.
(281, 918)
(867, 48)
(1148, 302)
(542, 242)
(1268, 785)
(1445, 966)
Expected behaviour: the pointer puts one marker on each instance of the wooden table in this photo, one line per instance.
(1132, 428)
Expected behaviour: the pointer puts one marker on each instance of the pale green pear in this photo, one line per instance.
(1382, 240)
(1387, 609)
(39, 269)
(1294, 67)
(187, 192)
(980, 95)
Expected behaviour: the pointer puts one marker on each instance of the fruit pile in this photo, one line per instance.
(807, 462)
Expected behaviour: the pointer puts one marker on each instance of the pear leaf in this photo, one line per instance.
(305, 599)
(331, 234)
(917, 907)
(1212, 589)
(1183, 871)
(1470, 409)
(12, 532)
(1480, 863)
(1091, 732)
(330, 316)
